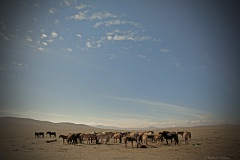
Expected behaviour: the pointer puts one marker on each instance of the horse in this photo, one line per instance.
(102, 136)
(150, 132)
(190, 135)
(186, 136)
(89, 137)
(168, 135)
(181, 133)
(63, 137)
(131, 139)
(73, 138)
(117, 136)
(133, 134)
(124, 134)
(51, 133)
(158, 137)
(78, 137)
(144, 138)
(36, 134)
(39, 134)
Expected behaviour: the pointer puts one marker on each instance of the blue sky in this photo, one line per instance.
(120, 63)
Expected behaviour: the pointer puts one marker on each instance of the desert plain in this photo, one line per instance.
(18, 142)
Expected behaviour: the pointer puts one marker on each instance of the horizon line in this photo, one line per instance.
(137, 128)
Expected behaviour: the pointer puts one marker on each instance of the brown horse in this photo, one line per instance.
(144, 138)
(124, 134)
(63, 137)
(181, 133)
(89, 137)
(104, 136)
(131, 139)
(187, 135)
(117, 136)
(158, 137)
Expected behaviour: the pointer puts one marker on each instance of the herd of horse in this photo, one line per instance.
(141, 138)
(41, 134)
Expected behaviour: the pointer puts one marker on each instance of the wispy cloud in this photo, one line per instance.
(83, 15)
(40, 49)
(44, 43)
(102, 15)
(118, 35)
(67, 2)
(88, 44)
(68, 50)
(29, 39)
(179, 66)
(115, 22)
(79, 35)
(141, 56)
(125, 122)
(54, 34)
(80, 6)
(112, 56)
(44, 36)
(178, 110)
(164, 50)
(80, 16)
(52, 10)
(126, 114)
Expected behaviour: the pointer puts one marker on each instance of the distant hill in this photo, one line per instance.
(150, 128)
(13, 125)
(26, 126)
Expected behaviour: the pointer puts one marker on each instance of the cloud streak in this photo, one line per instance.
(126, 114)
(177, 110)
(115, 22)
(83, 15)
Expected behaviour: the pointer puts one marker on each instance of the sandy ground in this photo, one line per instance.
(208, 142)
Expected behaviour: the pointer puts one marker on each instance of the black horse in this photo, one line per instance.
(51, 133)
(170, 135)
(39, 134)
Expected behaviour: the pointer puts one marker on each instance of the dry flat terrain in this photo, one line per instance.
(18, 142)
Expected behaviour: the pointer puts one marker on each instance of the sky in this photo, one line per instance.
(121, 63)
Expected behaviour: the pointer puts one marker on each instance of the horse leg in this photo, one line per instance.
(167, 141)
(132, 144)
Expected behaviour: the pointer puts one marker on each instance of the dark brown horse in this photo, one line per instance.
(170, 135)
(131, 139)
(51, 133)
(39, 134)
(64, 137)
